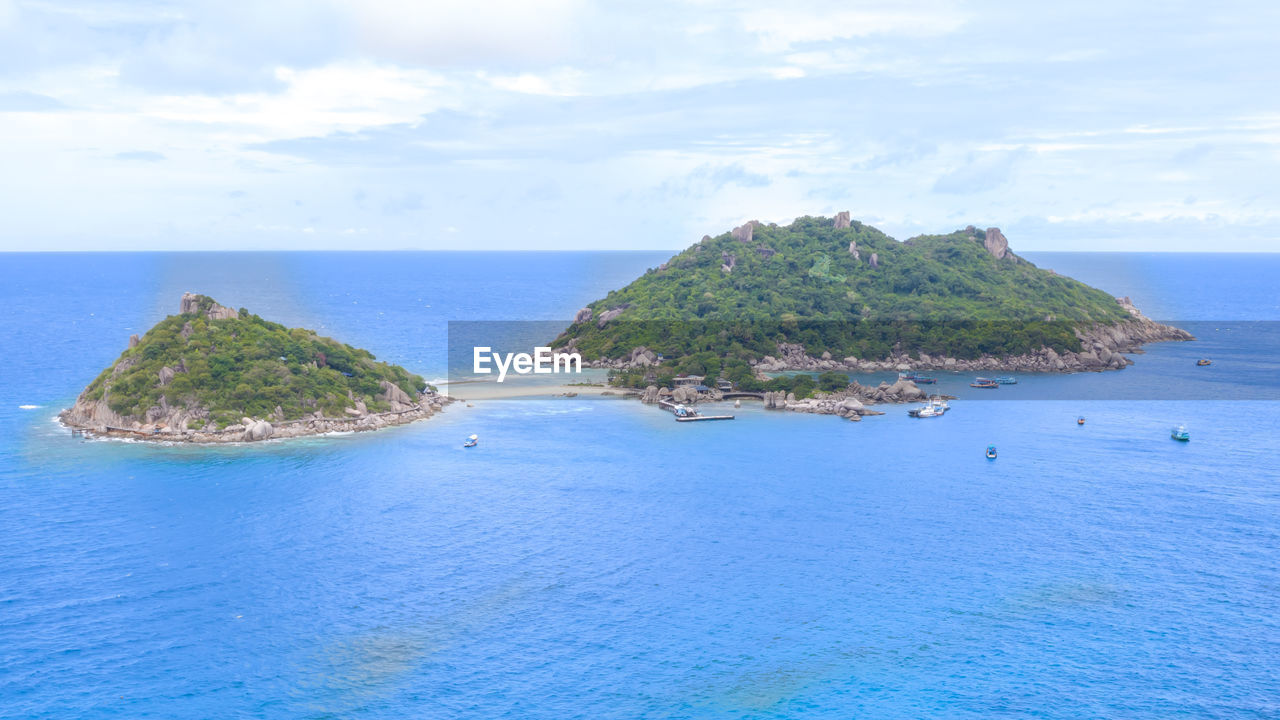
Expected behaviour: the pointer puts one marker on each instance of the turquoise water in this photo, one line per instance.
(594, 559)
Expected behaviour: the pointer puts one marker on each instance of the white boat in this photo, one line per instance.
(927, 410)
(472, 441)
(934, 407)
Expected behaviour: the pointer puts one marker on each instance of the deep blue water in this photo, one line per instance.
(594, 559)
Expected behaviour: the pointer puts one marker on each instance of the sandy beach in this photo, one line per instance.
(469, 390)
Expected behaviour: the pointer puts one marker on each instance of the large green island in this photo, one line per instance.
(834, 294)
(213, 374)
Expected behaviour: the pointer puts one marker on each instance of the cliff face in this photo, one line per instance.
(214, 374)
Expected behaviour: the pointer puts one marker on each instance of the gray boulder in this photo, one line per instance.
(260, 430)
(996, 243)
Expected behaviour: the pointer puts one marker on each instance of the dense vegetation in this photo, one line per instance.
(245, 366)
(939, 294)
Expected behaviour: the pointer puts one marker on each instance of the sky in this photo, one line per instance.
(565, 124)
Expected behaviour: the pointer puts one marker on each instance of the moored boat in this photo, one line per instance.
(917, 378)
(1007, 380)
(935, 407)
(991, 452)
(984, 383)
(1180, 434)
(471, 441)
(1204, 361)
(1080, 420)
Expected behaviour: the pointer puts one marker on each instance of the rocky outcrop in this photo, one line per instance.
(583, 315)
(853, 250)
(642, 357)
(608, 315)
(746, 231)
(133, 341)
(875, 260)
(259, 430)
(190, 305)
(850, 403)
(397, 398)
(842, 220)
(728, 260)
(996, 243)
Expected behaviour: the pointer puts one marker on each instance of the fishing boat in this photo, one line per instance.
(1080, 420)
(984, 383)
(1180, 434)
(1007, 380)
(471, 441)
(991, 452)
(935, 407)
(924, 411)
(917, 378)
(1204, 361)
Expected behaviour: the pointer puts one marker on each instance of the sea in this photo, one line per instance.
(593, 559)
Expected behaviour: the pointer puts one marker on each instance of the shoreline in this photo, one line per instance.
(84, 419)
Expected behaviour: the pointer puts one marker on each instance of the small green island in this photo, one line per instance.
(833, 295)
(214, 374)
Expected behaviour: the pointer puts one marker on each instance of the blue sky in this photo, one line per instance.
(382, 124)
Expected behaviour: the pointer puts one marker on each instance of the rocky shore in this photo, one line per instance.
(174, 424)
(1102, 348)
(850, 403)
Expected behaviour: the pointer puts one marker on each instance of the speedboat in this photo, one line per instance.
(984, 383)
(991, 452)
(471, 441)
(1180, 434)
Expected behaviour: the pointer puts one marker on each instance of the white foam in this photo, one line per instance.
(28, 407)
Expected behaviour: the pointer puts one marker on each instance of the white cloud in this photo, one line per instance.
(8, 13)
(565, 82)
(334, 98)
(466, 33)
(781, 28)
